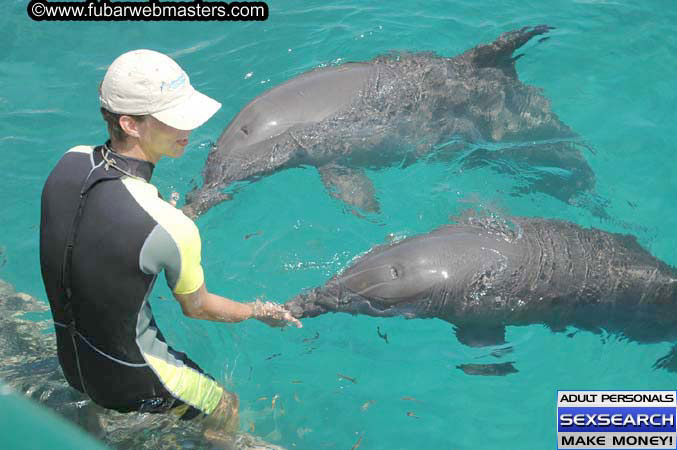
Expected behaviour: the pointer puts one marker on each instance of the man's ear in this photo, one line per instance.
(129, 126)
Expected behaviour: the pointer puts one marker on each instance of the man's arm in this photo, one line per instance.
(174, 245)
(202, 304)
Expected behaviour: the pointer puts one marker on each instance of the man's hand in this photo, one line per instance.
(273, 314)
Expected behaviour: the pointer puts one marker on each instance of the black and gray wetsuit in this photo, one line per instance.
(99, 266)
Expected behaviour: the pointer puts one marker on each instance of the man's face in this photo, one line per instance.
(159, 139)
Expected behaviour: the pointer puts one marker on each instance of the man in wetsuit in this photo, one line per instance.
(105, 235)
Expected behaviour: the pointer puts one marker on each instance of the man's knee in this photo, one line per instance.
(229, 400)
(231, 404)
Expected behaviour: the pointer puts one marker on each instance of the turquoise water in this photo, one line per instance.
(19, 427)
(609, 69)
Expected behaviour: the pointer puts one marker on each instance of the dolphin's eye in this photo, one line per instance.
(393, 272)
(245, 130)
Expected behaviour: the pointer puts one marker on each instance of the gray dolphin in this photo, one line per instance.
(483, 275)
(391, 111)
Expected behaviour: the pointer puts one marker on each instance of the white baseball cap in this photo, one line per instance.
(146, 82)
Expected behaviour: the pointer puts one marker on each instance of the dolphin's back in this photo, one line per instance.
(308, 98)
(590, 279)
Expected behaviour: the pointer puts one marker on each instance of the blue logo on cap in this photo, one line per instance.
(174, 84)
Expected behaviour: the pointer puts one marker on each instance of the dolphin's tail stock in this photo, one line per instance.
(499, 53)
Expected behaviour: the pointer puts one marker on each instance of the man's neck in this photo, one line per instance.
(131, 148)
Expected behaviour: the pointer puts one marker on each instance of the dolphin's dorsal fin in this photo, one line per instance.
(499, 53)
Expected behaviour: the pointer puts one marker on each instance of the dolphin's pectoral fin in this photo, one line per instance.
(667, 362)
(480, 336)
(351, 186)
(496, 370)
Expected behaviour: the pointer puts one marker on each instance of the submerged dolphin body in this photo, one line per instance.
(483, 276)
(391, 111)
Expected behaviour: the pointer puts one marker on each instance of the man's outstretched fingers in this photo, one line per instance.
(293, 320)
